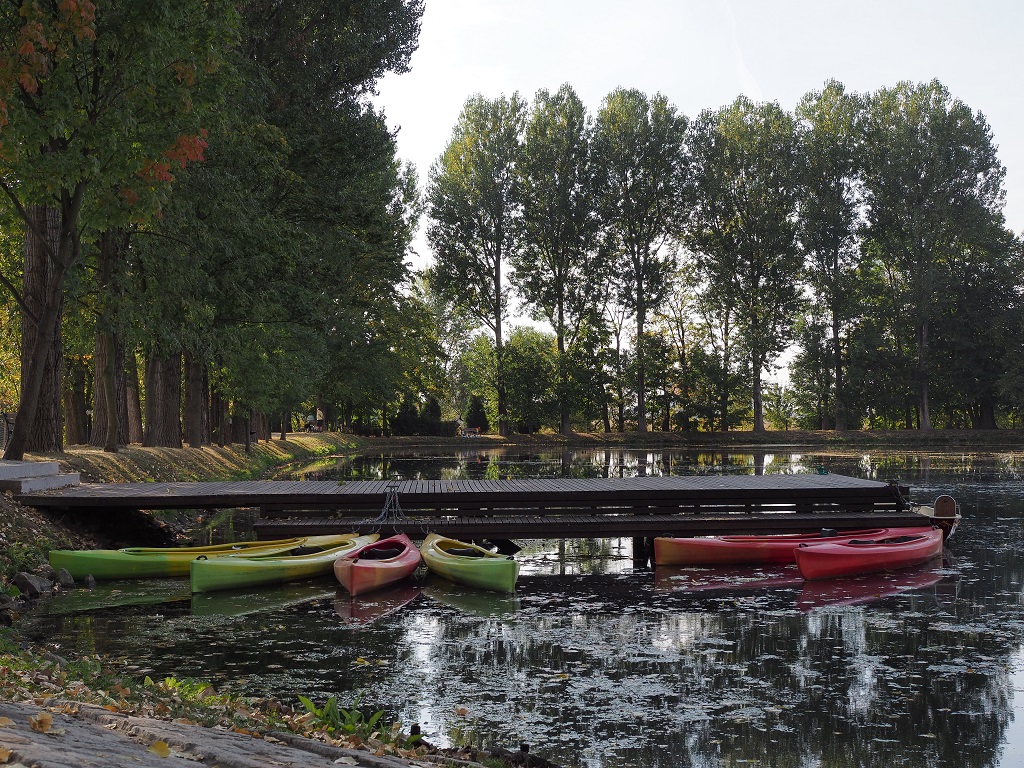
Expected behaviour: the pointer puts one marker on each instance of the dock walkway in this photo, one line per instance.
(525, 508)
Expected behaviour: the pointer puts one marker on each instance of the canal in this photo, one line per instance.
(600, 663)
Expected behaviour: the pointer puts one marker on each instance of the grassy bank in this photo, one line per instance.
(26, 534)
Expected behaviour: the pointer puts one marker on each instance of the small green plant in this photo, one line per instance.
(353, 721)
(337, 719)
(22, 557)
(186, 690)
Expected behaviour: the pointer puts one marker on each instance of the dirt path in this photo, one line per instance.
(87, 736)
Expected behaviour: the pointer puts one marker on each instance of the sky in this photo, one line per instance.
(702, 54)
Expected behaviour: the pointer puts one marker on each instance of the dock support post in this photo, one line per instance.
(641, 551)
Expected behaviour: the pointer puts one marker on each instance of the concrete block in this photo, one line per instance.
(12, 470)
(42, 483)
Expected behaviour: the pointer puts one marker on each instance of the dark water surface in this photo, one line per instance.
(601, 664)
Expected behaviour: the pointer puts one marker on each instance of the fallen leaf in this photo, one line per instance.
(160, 749)
(5, 754)
(6, 722)
(461, 711)
(41, 723)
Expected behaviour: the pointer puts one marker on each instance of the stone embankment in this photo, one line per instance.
(56, 735)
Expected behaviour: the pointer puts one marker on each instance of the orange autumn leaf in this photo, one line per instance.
(42, 722)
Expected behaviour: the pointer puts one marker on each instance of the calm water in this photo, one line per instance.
(601, 664)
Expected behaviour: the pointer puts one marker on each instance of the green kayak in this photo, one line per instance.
(158, 562)
(469, 564)
(239, 571)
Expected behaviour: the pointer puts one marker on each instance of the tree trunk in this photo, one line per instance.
(39, 424)
(196, 405)
(110, 409)
(131, 380)
(758, 398)
(837, 351)
(565, 416)
(641, 373)
(105, 423)
(286, 417)
(163, 402)
(723, 394)
(499, 353)
(248, 431)
(76, 418)
(110, 394)
(987, 413)
(925, 423)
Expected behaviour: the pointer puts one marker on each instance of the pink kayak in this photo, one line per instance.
(378, 564)
(829, 560)
(739, 550)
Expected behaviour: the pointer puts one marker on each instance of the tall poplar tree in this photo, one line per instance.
(829, 124)
(639, 149)
(475, 205)
(559, 270)
(934, 189)
(743, 227)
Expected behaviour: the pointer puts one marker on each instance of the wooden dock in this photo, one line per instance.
(526, 508)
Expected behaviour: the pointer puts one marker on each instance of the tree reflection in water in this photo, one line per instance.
(601, 665)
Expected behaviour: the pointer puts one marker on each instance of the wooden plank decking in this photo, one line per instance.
(555, 508)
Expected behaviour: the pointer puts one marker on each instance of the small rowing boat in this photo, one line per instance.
(238, 571)
(159, 562)
(377, 564)
(944, 514)
(848, 558)
(745, 550)
(469, 564)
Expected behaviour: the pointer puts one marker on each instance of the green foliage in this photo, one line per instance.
(642, 202)
(474, 197)
(830, 130)
(934, 193)
(476, 414)
(779, 405)
(743, 228)
(560, 271)
(353, 721)
(531, 365)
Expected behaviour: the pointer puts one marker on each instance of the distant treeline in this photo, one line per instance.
(676, 260)
(206, 233)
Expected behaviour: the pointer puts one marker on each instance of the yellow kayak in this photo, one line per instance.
(251, 570)
(159, 562)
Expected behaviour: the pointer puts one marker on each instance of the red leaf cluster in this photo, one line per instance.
(185, 149)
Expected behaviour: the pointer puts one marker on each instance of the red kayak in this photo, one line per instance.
(832, 559)
(378, 564)
(739, 550)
